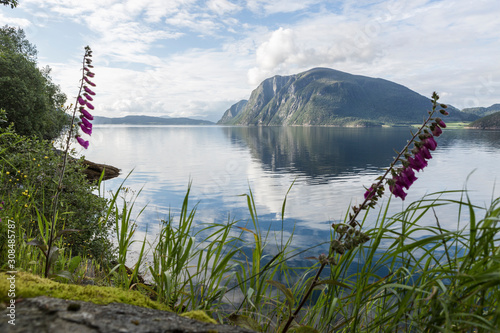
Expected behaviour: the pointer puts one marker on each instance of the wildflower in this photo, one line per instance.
(436, 131)
(417, 163)
(81, 100)
(90, 106)
(424, 152)
(403, 181)
(46, 157)
(88, 90)
(85, 129)
(82, 142)
(440, 122)
(397, 190)
(430, 143)
(86, 114)
(8, 173)
(89, 82)
(86, 122)
(87, 96)
(370, 193)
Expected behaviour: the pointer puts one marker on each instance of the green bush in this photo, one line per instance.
(28, 180)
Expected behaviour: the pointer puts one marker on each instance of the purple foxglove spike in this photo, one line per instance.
(424, 152)
(86, 122)
(85, 129)
(90, 106)
(89, 91)
(86, 114)
(437, 131)
(87, 96)
(83, 143)
(89, 82)
(81, 100)
(430, 143)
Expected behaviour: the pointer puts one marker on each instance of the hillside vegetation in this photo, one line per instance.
(489, 122)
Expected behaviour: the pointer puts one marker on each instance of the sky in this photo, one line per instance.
(189, 58)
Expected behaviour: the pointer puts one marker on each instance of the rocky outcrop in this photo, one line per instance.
(232, 112)
(53, 315)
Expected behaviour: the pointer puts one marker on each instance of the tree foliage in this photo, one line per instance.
(34, 104)
(11, 3)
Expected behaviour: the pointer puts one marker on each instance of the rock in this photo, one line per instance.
(46, 314)
(94, 170)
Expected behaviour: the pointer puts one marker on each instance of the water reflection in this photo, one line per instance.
(330, 166)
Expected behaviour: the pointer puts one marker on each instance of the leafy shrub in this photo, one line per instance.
(28, 175)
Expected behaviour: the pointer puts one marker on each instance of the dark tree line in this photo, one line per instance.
(33, 103)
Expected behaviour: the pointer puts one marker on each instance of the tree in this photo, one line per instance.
(11, 3)
(32, 101)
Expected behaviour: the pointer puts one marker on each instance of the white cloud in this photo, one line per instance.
(205, 54)
(222, 7)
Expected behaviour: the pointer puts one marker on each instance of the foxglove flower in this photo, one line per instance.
(397, 190)
(417, 163)
(403, 181)
(86, 114)
(436, 131)
(424, 152)
(86, 122)
(430, 143)
(89, 82)
(89, 91)
(85, 129)
(440, 123)
(90, 106)
(87, 96)
(83, 143)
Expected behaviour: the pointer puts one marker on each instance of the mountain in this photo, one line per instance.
(147, 120)
(491, 121)
(233, 111)
(481, 111)
(323, 96)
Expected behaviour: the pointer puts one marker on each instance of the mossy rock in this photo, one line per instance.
(29, 285)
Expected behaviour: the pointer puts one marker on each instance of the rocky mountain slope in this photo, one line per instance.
(323, 96)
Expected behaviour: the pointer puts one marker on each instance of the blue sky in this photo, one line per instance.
(188, 58)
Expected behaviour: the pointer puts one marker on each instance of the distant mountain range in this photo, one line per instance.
(491, 121)
(323, 96)
(147, 120)
(482, 112)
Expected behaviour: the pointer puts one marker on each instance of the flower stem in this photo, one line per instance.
(55, 202)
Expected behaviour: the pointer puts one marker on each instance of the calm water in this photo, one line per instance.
(330, 166)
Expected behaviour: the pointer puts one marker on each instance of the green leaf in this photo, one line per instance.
(285, 290)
